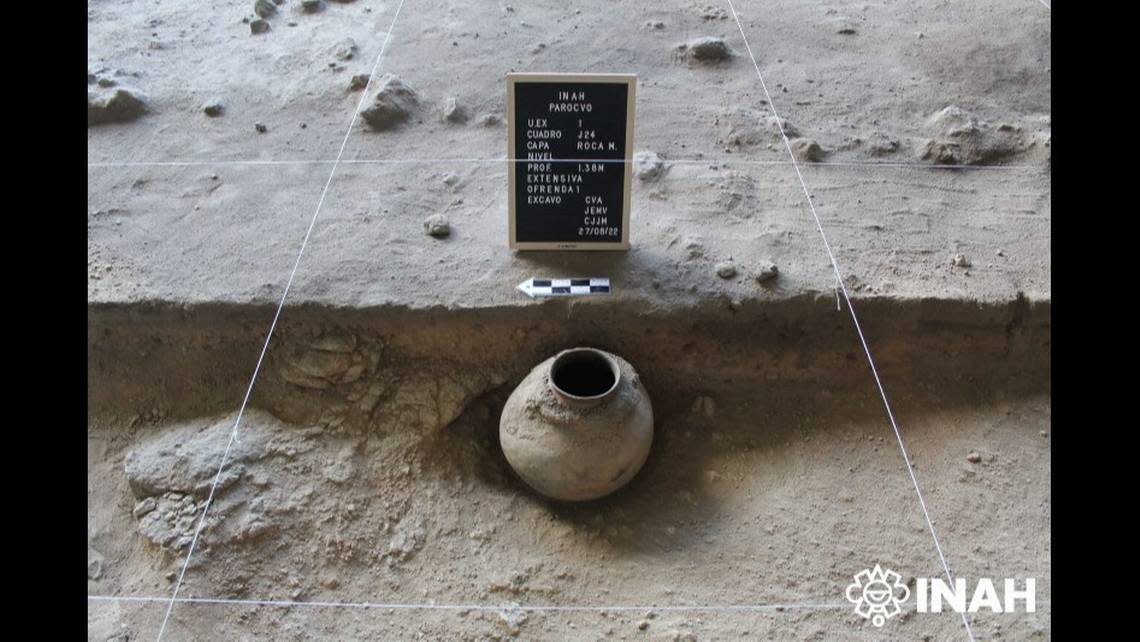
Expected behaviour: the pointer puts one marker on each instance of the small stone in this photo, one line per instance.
(1044, 433)
(106, 82)
(961, 261)
(642, 625)
(726, 269)
(845, 27)
(708, 49)
(264, 8)
(807, 150)
(453, 112)
(766, 272)
(974, 457)
(437, 225)
(144, 507)
(258, 26)
(1001, 252)
(648, 166)
(310, 6)
(345, 49)
(490, 120)
(392, 104)
(116, 105)
(451, 179)
(358, 82)
(260, 127)
(213, 108)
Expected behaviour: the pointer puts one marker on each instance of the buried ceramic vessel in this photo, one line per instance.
(579, 425)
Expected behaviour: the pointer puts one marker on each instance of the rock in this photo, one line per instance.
(726, 269)
(512, 618)
(451, 180)
(454, 112)
(184, 458)
(963, 139)
(94, 564)
(345, 49)
(358, 82)
(960, 261)
(392, 104)
(264, 8)
(707, 49)
(490, 120)
(258, 26)
(260, 127)
(310, 6)
(407, 539)
(437, 225)
(766, 272)
(173, 522)
(213, 107)
(642, 625)
(114, 105)
(328, 361)
(806, 149)
(648, 166)
(974, 457)
(145, 506)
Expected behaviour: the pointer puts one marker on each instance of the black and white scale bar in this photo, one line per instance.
(563, 287)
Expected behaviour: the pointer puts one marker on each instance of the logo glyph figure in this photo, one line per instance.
(877, 594)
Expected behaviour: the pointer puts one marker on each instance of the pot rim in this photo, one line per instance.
(571, 353)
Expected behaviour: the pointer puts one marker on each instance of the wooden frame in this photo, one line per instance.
(630, 80)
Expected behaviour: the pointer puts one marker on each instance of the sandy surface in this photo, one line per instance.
(231, 232)
(367, 470)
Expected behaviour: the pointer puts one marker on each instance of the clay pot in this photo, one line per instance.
(578, 426)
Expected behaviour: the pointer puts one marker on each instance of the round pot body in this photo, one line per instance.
(579, 426)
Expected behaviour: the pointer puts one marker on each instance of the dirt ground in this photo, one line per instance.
(367, 467)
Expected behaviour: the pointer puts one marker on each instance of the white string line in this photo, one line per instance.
(854, 317)
(1046, 6)
(273, 325)
(430, 161)
(470, 607)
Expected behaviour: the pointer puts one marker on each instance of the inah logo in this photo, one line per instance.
(877, 594)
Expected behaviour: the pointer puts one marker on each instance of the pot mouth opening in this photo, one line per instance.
(584, 373)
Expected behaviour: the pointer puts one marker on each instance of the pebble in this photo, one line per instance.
(453, 112)
(310, 5)
(648, 166)
(767, 271)
(437, 225)
(260, 127)
(116, 105)
(726, 269)
(807, 149)
(264, 8)
(974, 457)
(961, 261)
(708, 49)
(345, 49)
(258, 26)
(358, 82)
(213, 108)
(392, 104)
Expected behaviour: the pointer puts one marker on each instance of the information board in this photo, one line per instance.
(570, 140)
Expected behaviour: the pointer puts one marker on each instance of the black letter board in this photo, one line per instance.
(570, 139)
